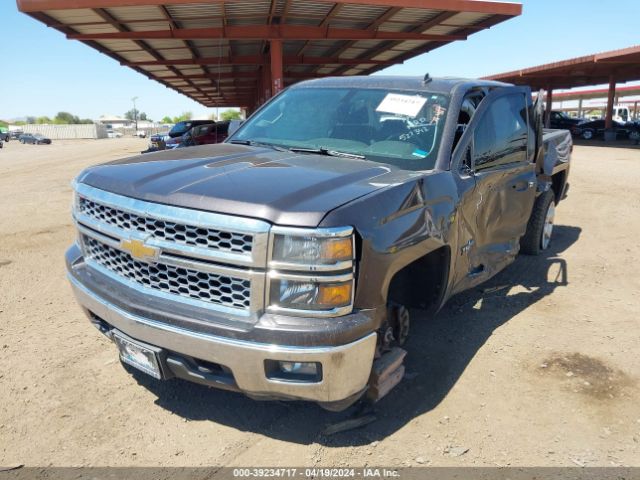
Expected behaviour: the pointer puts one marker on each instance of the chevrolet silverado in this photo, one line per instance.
(283, 262)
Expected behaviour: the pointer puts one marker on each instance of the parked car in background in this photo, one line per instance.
(621, 113)
(113, 134)
(34, 139)
(595, 129)
(562, 120)
(4, 134)
(157, 141)
(15, 134)
(181, 128)
(141, 134)
(173, 142)
(206, 134)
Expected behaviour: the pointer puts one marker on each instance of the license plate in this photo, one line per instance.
(138, 356)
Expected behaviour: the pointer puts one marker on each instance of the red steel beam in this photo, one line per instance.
(241, 76)
(324, 23)
(484, 24)
(374, 52)
(277, 78)
(611, 95)
(478, 6)
(266, 32)
(260, 60)
(47, 20)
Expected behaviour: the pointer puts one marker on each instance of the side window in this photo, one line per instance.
(501, 135)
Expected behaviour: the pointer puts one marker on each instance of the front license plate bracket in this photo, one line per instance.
(140, 356)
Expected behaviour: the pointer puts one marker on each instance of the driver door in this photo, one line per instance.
(497, 152)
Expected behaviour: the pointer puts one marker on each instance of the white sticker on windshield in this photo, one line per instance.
(409, 105)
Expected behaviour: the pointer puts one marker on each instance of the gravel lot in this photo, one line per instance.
(538, 367)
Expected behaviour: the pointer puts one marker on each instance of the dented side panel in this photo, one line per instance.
(398, 225)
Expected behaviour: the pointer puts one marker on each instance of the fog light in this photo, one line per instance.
(301, 368)
(304, 372)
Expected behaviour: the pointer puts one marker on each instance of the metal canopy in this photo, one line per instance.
(608, 67)
(596, 93)
(240, 52)
(623, 65)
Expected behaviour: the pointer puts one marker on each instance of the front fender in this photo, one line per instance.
(396, 226)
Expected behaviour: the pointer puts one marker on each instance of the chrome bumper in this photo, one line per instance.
(345, 368)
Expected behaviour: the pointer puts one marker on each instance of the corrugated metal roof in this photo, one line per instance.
(215, 51)
(617, 65)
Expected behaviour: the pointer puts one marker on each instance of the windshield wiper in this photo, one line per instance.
(253, 143)
(328, 152)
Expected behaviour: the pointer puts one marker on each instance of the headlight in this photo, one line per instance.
(302, 294)
(311, 271)
(328, 249)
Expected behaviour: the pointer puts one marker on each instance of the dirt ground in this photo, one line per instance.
(537, 368)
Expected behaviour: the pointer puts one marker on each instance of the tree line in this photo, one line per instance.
(226, 115)
(66, 118)
(62, 118)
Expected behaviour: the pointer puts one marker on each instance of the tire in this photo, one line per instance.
(587, 134)
(537, 238)
(634, 135)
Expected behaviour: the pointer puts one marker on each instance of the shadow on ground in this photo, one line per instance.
(439, 348)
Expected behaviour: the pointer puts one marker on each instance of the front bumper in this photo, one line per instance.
(345, 367)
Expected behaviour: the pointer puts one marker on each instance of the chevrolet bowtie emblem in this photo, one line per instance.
(139, 250)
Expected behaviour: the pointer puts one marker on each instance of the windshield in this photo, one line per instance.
(401, 128)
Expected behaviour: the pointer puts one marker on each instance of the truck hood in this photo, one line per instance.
(281, 187)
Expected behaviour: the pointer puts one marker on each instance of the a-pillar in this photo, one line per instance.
(547, 113)
(609, 132)
(275, 51)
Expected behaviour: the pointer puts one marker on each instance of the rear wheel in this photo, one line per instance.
(540, 226)
(634, 135)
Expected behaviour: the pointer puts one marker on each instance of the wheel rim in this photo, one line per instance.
(547, 231)
(587, 135)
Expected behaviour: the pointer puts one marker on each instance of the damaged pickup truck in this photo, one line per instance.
(282, 263)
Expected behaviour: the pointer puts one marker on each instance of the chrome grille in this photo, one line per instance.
(208, 287)
(165, 230)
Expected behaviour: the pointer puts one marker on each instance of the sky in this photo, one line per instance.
(42, 73)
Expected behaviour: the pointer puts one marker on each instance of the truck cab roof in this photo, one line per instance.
(445, 85)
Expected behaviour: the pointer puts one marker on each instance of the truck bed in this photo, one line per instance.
(558, 145)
